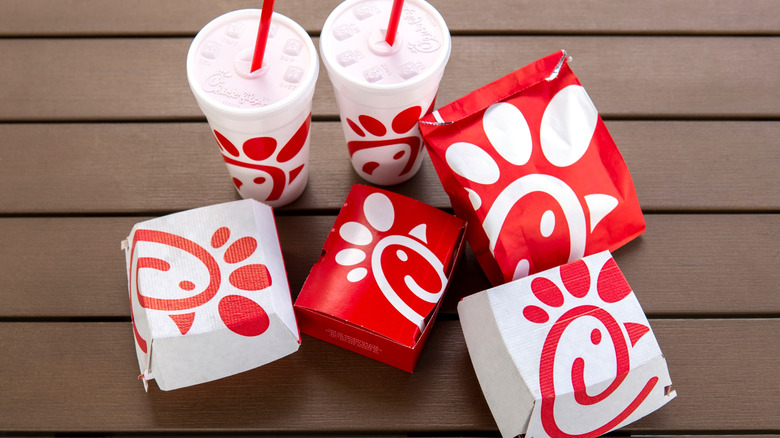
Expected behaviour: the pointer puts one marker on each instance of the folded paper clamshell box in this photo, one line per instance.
(529, 163)
(566, 352)
(209, 294)
(379, 283)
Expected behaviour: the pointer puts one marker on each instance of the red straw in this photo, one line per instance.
(262, 35)
(395, 17)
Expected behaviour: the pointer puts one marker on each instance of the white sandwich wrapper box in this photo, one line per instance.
(565, 352)
(209, 294)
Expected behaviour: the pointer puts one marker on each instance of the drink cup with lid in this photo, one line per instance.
(260, 119)
(382, 90)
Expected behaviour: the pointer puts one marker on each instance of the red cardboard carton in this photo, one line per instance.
(384, 269)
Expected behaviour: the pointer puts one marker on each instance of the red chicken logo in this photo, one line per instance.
(187, 278)
(528, 173)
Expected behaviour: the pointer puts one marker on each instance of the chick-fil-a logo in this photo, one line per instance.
(400, 260)
(216, 84)
(182, 298)
(428, 41)
(576, 307)
(542, 180)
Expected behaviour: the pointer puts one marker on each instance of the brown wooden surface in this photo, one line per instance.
(676, 268)
(676, 165)
(186, 17)
(322, 387)
(99, 130)
(46, 79)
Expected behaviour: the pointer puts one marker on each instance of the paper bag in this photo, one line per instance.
(528, 162)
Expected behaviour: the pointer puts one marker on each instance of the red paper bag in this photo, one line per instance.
(384, 269)
(528, 162)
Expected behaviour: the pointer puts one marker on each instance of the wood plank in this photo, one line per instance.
(149, 17)
(659, 77)
(147, 168)
(683, 265)
(48, 368)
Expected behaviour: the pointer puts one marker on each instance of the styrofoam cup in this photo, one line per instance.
(382, 90)
(260, 120)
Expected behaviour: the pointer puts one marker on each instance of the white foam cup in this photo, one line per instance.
(382, 90)
(260, 120)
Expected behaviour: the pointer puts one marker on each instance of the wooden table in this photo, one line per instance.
(99, 130)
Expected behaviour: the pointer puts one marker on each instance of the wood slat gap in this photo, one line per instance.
(697, 433)
(761, 433)
(607, 117)
(294, 212)
(710, 211)
(440, 317)
(279, 212)
(142, 17)
(454, 33)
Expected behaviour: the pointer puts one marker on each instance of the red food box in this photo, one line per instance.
(380, 281)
